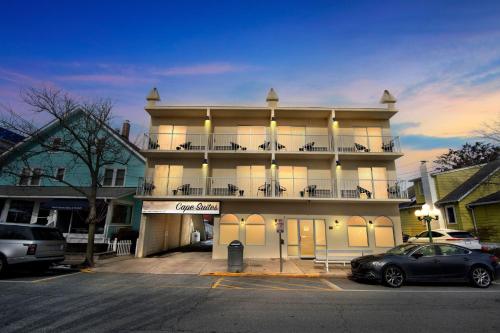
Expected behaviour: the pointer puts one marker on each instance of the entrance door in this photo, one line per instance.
(306, 237)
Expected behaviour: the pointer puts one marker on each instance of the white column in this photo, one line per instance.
(5, 211)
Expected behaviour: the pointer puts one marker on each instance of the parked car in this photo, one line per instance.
(427, 263)
(457, 237)
(405, 238)
(31, 244)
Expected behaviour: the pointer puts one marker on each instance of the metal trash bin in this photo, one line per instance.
(235, 257)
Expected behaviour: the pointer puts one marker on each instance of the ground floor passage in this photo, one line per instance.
(353, 231)
(69, 216)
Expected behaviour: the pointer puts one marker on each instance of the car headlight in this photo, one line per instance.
(377, 263)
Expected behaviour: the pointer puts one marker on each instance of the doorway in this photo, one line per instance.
(306, 237)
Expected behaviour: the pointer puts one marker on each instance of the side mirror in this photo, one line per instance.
(417, 255)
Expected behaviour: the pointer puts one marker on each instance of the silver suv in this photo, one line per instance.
(31, 244)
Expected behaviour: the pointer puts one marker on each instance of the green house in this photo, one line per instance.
(468, 198)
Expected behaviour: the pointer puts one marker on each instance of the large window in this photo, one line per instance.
(114, 177)
(356, 231)
(229, 229)
(122, 214)
(255, 230)
(384, 232)
(20, 211)
(450, 215)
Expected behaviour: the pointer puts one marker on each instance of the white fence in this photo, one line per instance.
(122, 248)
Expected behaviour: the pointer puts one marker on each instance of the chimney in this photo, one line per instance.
(272, 99)
(153, 97)
(389, 99)
(429, 191)
(126, 129)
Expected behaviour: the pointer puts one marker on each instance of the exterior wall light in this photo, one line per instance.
(273, 162)
(207, 117)
(370, 222)
(337, 162)
(336, 222)
(242, 222)
(334, 119)
(273, 118)
(427, 215)
(205, 161)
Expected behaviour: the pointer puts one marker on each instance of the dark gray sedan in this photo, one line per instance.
(427, 263)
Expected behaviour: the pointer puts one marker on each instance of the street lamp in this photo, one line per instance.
(427, 215)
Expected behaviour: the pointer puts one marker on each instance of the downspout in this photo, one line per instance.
(474, 221)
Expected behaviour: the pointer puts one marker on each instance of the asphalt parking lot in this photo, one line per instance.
(66, 300)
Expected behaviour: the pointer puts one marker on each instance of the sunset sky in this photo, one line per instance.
(441, 59)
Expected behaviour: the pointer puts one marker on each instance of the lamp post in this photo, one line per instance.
(427, 215)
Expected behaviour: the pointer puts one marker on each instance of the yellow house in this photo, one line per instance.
(326, 174)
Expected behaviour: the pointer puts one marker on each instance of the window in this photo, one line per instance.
(356, 231)
(450, 215)
(384, 232)
(56, 143)
(108, 177)
(114, 177)
(42, 217)
(60, 173)
(24, 179)
(20, 211)
(255, 230)
(229, 229)
(426, 251)
(15, 232)
(36, 176)
(423, 234)
(120, 177)
(460, 234)
(122, 214)
(450, 250)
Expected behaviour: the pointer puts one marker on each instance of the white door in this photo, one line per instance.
(380, 182)
(375, 139)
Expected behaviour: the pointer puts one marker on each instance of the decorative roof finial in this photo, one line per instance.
(153, 97)
(272, 98)
(389, 99)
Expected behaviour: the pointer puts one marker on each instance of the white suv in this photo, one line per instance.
(457, 237)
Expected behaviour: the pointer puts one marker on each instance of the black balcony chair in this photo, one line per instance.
(279, 146)
(311, 190)
(361, 148)
(232, 189)
(265, 146)
(235, 146)
(148, 188)
(307, 146)
(153, 144)
(265, 189)
(363, 190)
(388, 147)
(279, 189)
(393, 191)
(184, 189)
(185, 146)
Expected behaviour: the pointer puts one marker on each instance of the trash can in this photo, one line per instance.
(195, 237)
(235, 257)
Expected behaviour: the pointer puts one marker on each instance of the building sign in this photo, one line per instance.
(181, 207)
(280, 226)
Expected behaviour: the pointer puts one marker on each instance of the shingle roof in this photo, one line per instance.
(411, 204)
(7, 135)
(10, 191)
(486, 200)
(476, 179)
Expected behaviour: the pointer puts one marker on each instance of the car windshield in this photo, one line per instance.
(402, 249)
(460, 234)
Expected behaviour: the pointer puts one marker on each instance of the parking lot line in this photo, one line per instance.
(331, 285)
(55, 277)
(216, 284)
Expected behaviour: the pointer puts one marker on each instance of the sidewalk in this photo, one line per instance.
(201, 263)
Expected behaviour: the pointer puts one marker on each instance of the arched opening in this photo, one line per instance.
(229, 229)
(357, 234)
(255, 230)
(384, 232)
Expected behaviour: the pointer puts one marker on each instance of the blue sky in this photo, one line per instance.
(440, 58)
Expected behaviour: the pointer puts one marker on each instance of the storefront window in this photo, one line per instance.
(384, 232)
(255, 230)
(356, 231)
(20, 211)
(229, 229)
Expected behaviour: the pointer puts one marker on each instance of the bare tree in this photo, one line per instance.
(84, 142)
(491, 130)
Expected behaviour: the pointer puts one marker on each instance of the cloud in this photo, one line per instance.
(401, 127)
(431, 142)
(110, 79)
(202, 69)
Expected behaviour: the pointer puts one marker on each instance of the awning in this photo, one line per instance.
(65, 204)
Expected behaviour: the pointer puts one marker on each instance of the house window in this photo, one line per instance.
(450, 215)
(36, 176)
(56, 143)
(356, 231)
(384, 232)
(229, 229)
(122, 214)
(255, 230)
(24, 179)
(60, 173)
(20, 211)
(114, 177)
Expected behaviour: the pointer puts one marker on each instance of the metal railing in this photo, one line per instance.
(175, 141)
(305, 188)
(303, 143)
(372, 189)
(239, 186)
(240, 142)
(170, 186)
(367, 144)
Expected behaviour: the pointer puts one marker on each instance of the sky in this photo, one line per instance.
(441, 59)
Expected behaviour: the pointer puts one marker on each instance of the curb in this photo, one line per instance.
(289, 275)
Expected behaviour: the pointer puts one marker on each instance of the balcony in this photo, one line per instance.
(367, 144)
(283, 188)
(303, 143)
(240, 142)
(175, 141)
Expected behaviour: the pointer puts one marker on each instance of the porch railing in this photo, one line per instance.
(367, 144)
(303, 143)
(305, 188)
(175, 141)
(372, 189)
(170, 186)
(240, 142)
(239, 186)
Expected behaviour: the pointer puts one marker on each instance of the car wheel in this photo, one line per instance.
(393, 277)
(480, 277)
(3, 265)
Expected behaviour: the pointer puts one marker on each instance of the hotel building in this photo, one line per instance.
(327, 173)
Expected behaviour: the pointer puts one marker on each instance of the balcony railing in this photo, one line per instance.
(175, 141)
(367, 144)
(251, 187)
(303, 143)
(240, 142)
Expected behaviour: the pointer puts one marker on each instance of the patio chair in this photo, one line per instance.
(365, 191)
(393, 191)
(279, 146)
(361, 148)
(148, 188)
(232, 189)
(265, 146)
(235, 146)
(279, 189)
(265, 189)
(153, 144)
(185, 146)
(311, 190)
(183, 188)
(388, 147)
(307, 147)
